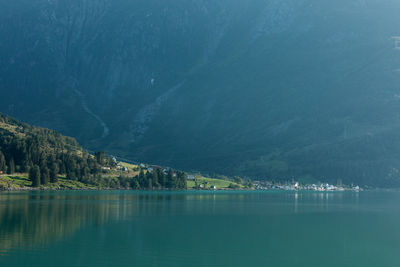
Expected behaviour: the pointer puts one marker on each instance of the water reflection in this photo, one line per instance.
(35, 219)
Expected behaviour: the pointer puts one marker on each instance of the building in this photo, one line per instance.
(396, 42)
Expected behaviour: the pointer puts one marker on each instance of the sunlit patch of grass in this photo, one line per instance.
(21, 181)
(208, 182)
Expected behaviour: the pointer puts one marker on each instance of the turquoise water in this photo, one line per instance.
(126, 228)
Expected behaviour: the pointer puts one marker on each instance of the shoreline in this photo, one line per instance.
(20, 182)
(31, 189)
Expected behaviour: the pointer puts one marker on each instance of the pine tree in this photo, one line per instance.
(162, 178)
(155, 179)
(11, 166)
(3, 165)
(100, 156)
(149, 180)
(85, 173)
(26, 165)
(142, 179)
(181, 181)
(170, 180)
(135, 183)
(123, 181)
(71, 175)
(54, 173)
(62, 168)
(34, 176)
(149, 183)
(44, 175)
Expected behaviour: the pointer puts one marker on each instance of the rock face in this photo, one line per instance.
(262, 88)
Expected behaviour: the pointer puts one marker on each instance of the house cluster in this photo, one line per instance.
(293, 186)
(206, 185)
(121, 168)
(324, 187)
(151, 168)
(396, 42)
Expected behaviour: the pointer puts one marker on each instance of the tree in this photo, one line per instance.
(238, 180)
(135, 183)
(53, 173)
(156, 184)
(100, 156)
(26, 165)
(71, 175)
(44, 175)
(234, 186)
(149, 178)
(171, 181)
(142, 179)
(11, 166)
(162, 178)
(3, 165)
(85, 172)
(123, 181)
(249, 184)
(62, 170)
(34, 176)
(181, 181)
(149, 183)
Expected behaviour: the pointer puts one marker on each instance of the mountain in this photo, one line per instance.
(270, 89)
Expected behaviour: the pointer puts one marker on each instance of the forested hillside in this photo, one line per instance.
(45, 156)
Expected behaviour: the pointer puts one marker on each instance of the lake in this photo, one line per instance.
(129, 228)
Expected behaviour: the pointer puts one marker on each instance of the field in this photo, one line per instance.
(132, 170)
(128, 165)
(208, 182)
(21, 182)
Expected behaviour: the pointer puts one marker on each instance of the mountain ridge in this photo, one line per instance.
(263, 88)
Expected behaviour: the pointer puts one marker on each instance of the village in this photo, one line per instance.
(296, 186)
(197, 181)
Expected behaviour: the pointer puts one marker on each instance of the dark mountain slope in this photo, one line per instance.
(262, 88)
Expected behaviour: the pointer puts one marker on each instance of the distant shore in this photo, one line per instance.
(20, 182)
